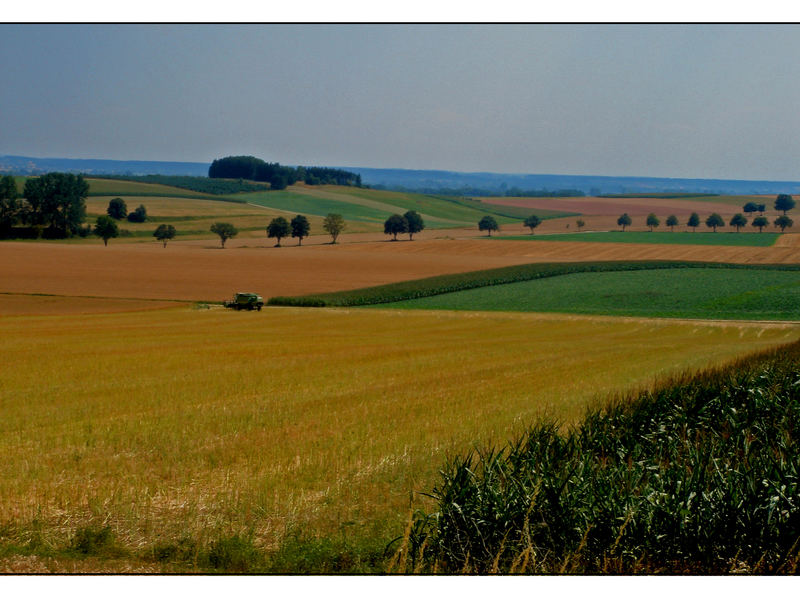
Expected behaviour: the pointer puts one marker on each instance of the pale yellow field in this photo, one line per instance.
(195, 215)
(183, 422)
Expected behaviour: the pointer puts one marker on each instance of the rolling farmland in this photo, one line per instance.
(145, 430)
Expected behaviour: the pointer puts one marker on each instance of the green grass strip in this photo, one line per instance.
(444, 284)
(761, 294)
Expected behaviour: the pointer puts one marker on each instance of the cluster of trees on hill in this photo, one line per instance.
(106, 227)
(53, 206)
(278, 176)
(117, 209)
(411, 222)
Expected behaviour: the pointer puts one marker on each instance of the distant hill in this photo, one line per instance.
(450, 182)
(27, 165)
(477, 184)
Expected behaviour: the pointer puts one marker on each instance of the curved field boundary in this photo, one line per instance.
(444, 284)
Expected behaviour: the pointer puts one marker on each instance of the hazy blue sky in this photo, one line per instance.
(710, 101)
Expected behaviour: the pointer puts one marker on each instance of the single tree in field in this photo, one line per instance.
(580, 223)
(760, 222)
(9, 206)
(489, 224)
(164, 233)
(714, 221)
(694, 221)
(117, 209)
(334, 225)
(672, 220)
(624, 221)
(652, 221)
(278, 228)
(106, 228)
(394, 225)
(750, 207)
(415, 223)
(784, 202)
(532, 222)
(783, 222)
(738, 220)
(300, 228)
(139, 215)
(225, 231)
(761, 209)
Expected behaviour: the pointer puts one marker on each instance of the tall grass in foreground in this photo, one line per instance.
(699, 475)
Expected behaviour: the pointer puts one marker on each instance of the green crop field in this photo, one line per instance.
(118, 187)
(744, 238)
(451, 208)
(696, 475)
(374, 206)
(700, 293)
(307, 204)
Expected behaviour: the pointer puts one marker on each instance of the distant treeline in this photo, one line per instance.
(203, 185)
(513, 192)
(278, 176)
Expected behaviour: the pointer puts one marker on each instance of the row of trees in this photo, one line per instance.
(106, 228)
(280, 228)
(712, 221)
(489, 223)
(55, 203)
(278, 176)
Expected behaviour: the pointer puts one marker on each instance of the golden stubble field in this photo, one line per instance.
(184, 422)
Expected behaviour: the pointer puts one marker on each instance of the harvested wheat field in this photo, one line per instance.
(31, 304)
(204, 272)
(184, 424)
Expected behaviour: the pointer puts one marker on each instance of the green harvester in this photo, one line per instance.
(245, 301)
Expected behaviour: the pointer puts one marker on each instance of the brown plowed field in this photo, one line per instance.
(532, 251)
(632, 206)
(200, 271)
